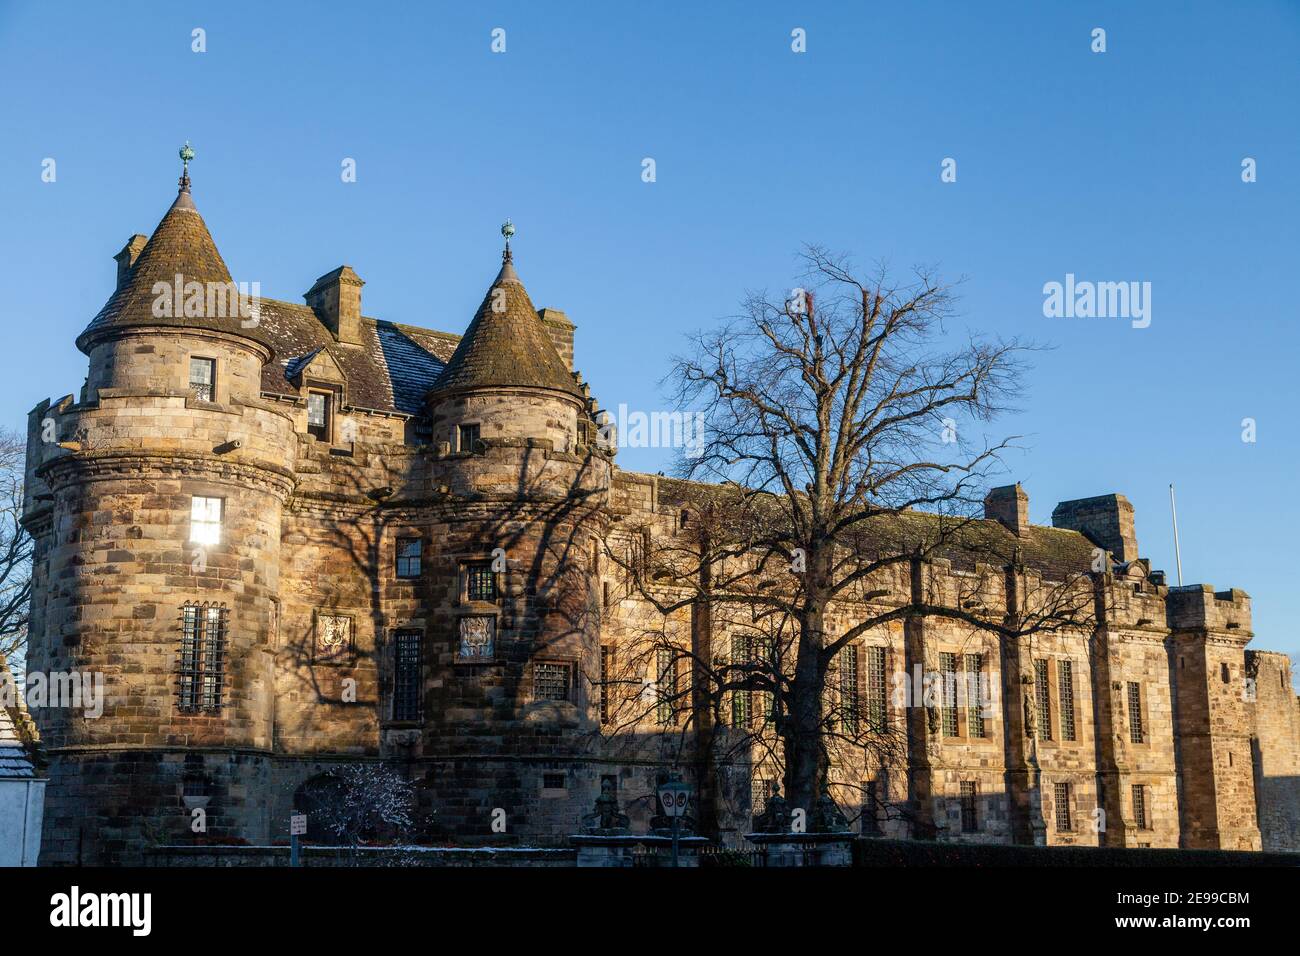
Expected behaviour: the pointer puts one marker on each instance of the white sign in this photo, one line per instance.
(674, 797)
(298, 824)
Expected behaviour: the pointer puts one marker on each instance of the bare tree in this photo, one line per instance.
(844, 454)
(15, 552)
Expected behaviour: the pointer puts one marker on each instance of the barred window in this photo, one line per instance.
(202, 657)
(969, 822)
(742, 649)
(1061, 793)
(876, 700)
(205, 520)
(409, 552)
(1134, 712)
(551, 681)
(665, 685)
(407, 674)
(203, 377)
(1140, 807)
(606, 677)
(1043, 697)
(480, 582)
(849, 689)
(760, 789)
(974, 697)
(948, 673)
(1065, 681)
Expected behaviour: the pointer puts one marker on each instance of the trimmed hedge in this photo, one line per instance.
(879, 852)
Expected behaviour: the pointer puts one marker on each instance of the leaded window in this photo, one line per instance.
(203, 378)
(974, 695)
(407, 673)
(849, 689)
(409, 553)
(318, 415)
(1134, 712)
(480, 582)
(205, 520)
(1043, 699)
(202, 658)
(876, 693)
(948, 673)
(741, 655)
(1065, 680)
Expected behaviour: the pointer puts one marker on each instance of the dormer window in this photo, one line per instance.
(203, 378)
(318, 415)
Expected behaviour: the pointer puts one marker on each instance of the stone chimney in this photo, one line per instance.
(1106, 520)
(1009, 506)
(336, 300)
(126, 258)
(560, 329)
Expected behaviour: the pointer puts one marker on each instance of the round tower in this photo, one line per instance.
(157, 525)
(513, 707)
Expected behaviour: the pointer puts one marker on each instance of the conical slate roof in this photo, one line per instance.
(506, 345)
(180, 245)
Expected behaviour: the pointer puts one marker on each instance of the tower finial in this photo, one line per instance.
(507, 230)
(186, 154)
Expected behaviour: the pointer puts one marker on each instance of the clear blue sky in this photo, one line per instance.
(1115, 166)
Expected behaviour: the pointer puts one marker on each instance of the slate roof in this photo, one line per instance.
(15, 760)
(507, 344)
(390, 371)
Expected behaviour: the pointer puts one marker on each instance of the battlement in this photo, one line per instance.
(1200, 607)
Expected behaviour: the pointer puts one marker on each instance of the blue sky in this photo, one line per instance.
(1124, 165)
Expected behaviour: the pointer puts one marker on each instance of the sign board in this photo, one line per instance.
(298, 824)
(674, 798)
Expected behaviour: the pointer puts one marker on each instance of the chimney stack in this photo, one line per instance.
(336, 300)
(126, 258)
(1107, 521)
(1009, 506)
(560, 329)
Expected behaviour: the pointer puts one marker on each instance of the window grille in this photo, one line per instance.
(974, 695)
(1140, 807)
(877, 713)
(948, 673)
(550, 681)
(1065, 680)
(1043, 697)
(480, 582)
(202, 657)
(849, 689)
(1061, 792)
(969, 823)
(1134, 712)
(406, 675)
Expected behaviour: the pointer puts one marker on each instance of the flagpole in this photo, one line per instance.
(1178, 555)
